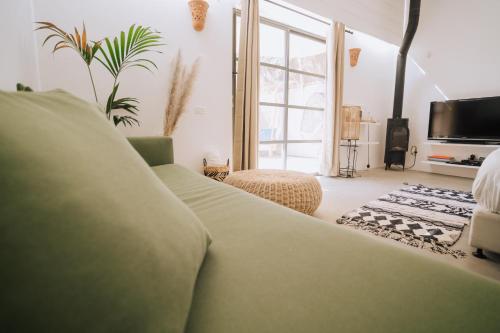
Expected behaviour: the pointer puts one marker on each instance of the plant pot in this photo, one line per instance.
(199, 13)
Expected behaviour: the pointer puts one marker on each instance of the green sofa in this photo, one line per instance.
(271, 269)
(249, 264)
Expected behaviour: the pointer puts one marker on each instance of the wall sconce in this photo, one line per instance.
(353, 56)
(199, 13)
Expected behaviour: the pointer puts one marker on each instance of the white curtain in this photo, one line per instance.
(330, 161)
(245, 136)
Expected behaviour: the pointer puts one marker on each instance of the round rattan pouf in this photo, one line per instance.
(295, 190)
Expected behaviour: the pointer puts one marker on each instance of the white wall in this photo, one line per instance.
(18, 55)
(370, 84)
(457, 48)
(196, 134)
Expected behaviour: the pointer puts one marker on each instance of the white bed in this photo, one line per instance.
(485, 224)
(485, 231)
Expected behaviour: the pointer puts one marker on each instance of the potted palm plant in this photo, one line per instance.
(125, 51)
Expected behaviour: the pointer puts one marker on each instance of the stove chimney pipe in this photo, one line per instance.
(411, 28)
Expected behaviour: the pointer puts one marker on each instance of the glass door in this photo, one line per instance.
(292, 96)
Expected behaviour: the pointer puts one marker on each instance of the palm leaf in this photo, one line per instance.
(129, 37)
(127, 104)
(122, 45)
(120, 52)
(112, 56)
(107, 63)
(78, 42)
(125, 120)
(84, 36)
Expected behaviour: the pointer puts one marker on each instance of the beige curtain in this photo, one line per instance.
(245, 136)
(330, 162)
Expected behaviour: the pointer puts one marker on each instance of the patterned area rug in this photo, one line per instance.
(419, 216)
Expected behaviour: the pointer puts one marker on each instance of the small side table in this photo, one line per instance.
(352, 154)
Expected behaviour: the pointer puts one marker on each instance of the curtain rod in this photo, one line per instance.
(306, 15)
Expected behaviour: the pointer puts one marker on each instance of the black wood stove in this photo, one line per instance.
(398, 132)
(396, 142)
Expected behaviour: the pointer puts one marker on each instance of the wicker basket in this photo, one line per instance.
(216, 172)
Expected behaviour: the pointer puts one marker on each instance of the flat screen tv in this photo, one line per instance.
(475, 120)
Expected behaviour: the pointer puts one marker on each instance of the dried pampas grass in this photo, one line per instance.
(181, 88)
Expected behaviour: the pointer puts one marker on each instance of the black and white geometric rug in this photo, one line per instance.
(430, 218)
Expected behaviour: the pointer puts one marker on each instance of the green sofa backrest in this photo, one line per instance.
(155, 150)
(91, 239)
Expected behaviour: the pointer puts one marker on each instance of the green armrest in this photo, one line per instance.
(155, 150)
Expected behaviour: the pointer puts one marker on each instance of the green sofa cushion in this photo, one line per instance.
(273, 270)
(91, 240)
(153, 149)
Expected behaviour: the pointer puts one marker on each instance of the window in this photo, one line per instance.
(292, 88)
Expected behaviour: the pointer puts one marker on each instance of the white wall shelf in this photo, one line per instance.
(362, 143)
(451, 165)
(439, 143)
(368, 143)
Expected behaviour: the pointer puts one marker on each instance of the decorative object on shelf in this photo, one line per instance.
(199, 13)
(22, 87)
(354, 56)
(181, 87)
(351, 122)
(471, 161)
(440, 158)
(368, 118)
(123, 51)
(216, 172)
(398, 216)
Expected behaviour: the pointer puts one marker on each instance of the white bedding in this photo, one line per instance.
(486, 187)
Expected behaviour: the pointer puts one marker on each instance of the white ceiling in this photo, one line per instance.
(379, 18)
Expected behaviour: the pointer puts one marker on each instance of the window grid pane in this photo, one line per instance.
(306, 90)
(305, 124)
(271, 123)
(272, 85)
(272, 45)
(307, 55)
(271, 156)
